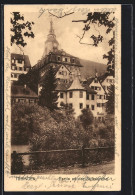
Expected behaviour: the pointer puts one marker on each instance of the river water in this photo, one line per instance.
(21, 149)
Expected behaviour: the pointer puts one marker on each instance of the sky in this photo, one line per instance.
(66, 33)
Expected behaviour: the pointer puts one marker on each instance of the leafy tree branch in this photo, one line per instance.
(20, 29)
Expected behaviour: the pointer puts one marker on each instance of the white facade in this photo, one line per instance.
(19, 66)
(63, 73)
(91, 102)
(109, 80)
(101, 97)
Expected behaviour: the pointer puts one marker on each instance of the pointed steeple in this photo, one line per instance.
(51, 27)
(51, 43)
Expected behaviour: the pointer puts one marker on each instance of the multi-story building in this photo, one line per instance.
(95, 84)
(20, 64)
(71, 89)
(107, 80)
(77, 96)
(23, 94)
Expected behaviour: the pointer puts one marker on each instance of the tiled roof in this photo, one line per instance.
(61, 86)
(21, 91)
(22, 57)
(89, 81)
(76, 85)
(104, 76)
(89, 90)
(51, 58)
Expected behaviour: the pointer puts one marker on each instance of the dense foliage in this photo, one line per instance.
(20, 29)
(31, 79)
(45, 129)
(110, 105)
(48, 95)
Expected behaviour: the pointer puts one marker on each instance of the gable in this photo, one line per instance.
(62, 71)
(108, 80)
(96, 85)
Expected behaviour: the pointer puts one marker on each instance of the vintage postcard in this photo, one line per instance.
(62, 97)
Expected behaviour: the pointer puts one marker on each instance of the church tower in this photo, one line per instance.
(51, 44)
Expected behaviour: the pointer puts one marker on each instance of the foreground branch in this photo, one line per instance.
(66, 14)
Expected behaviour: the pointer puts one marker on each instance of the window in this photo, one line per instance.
(58, 58)
(24, 69)
(92, 107)
(12, 75)
(20, 68)
(20, 61)
(73, 60)
(70, 94)
(31, 101)
(60, 73)
(61, 95)
(87, 106)
(22, 100)
(95, 81)
(62, 104)
(92, 87)
(65, 81)
(81, 94)
(81, 105)
(98, 88)
(13, 68)
(87, 96)
(103, 104)
(15, 75)
(92, 97)
(100, 97)
(65, 59)
(95, 88)
(70, 105)
(98, 104)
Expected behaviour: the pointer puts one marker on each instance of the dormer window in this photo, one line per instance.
(20, 61)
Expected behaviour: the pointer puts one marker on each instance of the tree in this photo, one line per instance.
(110, 100)
(20, 29)
(48, 95)
(86, 118)
(93, 21)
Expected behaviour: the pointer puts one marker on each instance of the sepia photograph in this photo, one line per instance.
(62, 97)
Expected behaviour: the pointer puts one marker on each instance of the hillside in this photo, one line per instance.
(89, 68)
